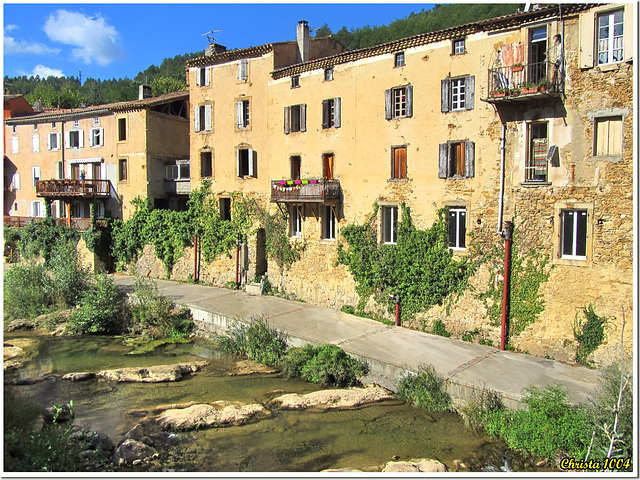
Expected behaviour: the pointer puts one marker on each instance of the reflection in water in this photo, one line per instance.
(303, 441)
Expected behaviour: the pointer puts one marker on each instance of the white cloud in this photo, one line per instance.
(44, 72)
(13, 46)
(94, 38)
(8, 28)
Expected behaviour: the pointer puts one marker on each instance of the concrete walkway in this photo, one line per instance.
(390, 351)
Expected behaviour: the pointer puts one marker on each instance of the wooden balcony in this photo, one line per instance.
(80, 224)
(300, 191)
(63, 189)
(518, 83)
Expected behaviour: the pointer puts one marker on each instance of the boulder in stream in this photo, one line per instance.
(217, 414)
(419, 465)
(131, 451)
(155, 374)
(336, 398)
(79, 376)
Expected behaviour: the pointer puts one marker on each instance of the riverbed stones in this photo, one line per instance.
(249, 367)
(217, 414)
(79, 376)
(131, 451)
(336, 398)
(155, 374)
(415, 465)
(20, 324)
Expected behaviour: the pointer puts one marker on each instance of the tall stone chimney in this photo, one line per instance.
(144, 91)
(302, 55)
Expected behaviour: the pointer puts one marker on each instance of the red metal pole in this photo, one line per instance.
(238, 264)
(505, 290)
(397, 314)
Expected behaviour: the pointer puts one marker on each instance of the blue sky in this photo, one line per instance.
(119, 40)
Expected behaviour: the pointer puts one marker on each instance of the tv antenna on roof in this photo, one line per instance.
(210, 36)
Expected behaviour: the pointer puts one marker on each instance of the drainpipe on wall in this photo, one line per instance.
(502, 161)
(507, 234)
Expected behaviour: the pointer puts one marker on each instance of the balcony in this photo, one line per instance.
(61, 189)
(81, 224)
(518, 83)
(300, 191)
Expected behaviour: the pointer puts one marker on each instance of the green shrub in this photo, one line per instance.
(295, 358)
(482, 404)
(425, 390)
(69, 276)
(101, 308)
(330, 365)
(348, 309)
(43, 239)
(438, 328)
(548, 426)
(257, 340)
(28, 291)
(589, 334)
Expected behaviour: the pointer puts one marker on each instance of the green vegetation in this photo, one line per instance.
(101, 308)
(589, 334)
(69, 277)
(483, 404)
(27, 291)
(529, 270)
(257, 341)
(549, 426)
(425, 390)
(438, 328)
(326, 364)
(39, 239)
(420, 267)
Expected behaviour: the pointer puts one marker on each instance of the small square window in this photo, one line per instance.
(458, 46)
(295, 81)
(76, 123)
(328, 74)
(206, 164)
(96, 121)
(399, 59)
(53, 124)
(35, 126)
(122, 129)
(123, 172)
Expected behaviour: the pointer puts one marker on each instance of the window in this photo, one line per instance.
(536, 168)
(295, 221)
(389, 225)
(457, 93)
(53, 124)
(96, 121)
(181, 170)
(225, 208)
(203, 76)
(76, 124)
(15, 181)
(75, 139)
(59, 170)
(398, 162)
(399, 59)
(607, 138)
(295, 81)
(399, 102)
(123, 172)
(96, 137)
(122, 129)
(328, 74)
(329, 223)
(296, 163)
(245, 162)
(53, 141)
(35, 175)
(457, 160)
(457, 227)
(203, 118)
(14, 144)
(327, 166)
(35, 143)
(458, 46)
(35, 126)
(611, 37)
(242, 113)
(243, 70)
(37, 209)
(206, 164)
(295, 118)
(573, 234)
(331, 113)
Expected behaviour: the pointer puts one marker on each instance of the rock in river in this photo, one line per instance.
(420, 465)
(338, 398)
(158, 373)
(131, 451)
(217, 414)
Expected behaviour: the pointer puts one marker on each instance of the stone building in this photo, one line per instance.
(105, 154)
(524, 118)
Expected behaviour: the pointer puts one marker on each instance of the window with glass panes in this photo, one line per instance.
(457, 227)
(574, 234)
(611, 37)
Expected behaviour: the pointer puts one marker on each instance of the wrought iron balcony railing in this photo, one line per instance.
(523, 82)
(73, 188)
(319, 191)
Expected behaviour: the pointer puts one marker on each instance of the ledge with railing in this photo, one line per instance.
(324, 191)
(73, 188)
(81, 224)
(524, 82)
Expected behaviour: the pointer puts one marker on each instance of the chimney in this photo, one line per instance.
(144, 91)
(302, 55)
(214, 48)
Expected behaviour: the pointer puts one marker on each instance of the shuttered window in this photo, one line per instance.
(203, 76)
(14, 144)
(457, 160)
(611, 37)
(245, 162)
(295, 221)
(295, 118)
(399, 162)
(203, 120)
(53, 141)
(608, 136)
(243, 70)
(327, 166)
(399, 102)
(35, 143)
(331, 112)
(242, 113)
(457, 93)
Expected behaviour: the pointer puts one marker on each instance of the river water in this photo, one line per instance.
(289, 441)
